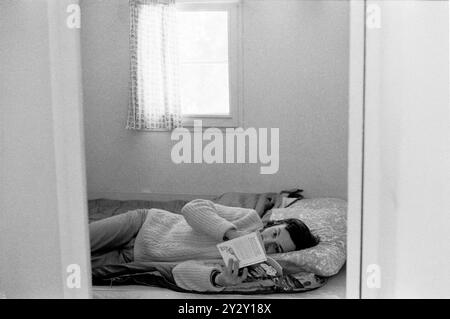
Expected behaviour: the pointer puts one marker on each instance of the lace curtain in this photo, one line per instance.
(154, 97)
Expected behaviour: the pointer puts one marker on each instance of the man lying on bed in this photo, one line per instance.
(161, 236)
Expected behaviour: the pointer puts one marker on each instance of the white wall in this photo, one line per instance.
(406, 229)
(295, 56)
(43, 203)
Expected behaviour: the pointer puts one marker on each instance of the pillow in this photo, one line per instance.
(327, 219)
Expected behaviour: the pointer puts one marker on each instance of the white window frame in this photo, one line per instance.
(233, 7)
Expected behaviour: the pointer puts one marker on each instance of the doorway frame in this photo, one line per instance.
(355, 173)
(357, 56)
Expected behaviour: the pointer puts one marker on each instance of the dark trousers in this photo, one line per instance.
(112, 239)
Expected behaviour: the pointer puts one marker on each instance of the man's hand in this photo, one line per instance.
(233, 233)
(229, 276)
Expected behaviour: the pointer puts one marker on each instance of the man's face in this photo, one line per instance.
(276, 239)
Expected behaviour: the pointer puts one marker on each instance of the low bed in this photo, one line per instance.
(334, 289)
(305, 272)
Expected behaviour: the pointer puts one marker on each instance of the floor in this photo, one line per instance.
(334, 289)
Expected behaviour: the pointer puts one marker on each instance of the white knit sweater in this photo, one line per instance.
(190, 237)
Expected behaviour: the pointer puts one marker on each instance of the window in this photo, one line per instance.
(208, 41)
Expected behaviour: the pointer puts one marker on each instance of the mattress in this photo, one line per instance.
(334, 289)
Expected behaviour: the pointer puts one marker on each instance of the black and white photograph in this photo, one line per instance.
(242, 150)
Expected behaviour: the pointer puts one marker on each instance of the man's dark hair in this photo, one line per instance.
(299, 232)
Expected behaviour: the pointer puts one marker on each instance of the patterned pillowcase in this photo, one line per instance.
(327, 219)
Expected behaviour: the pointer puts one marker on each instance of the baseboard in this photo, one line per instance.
(147, 196)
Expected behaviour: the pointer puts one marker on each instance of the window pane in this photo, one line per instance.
(204, 88)
(203, 51)
(203, 36)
